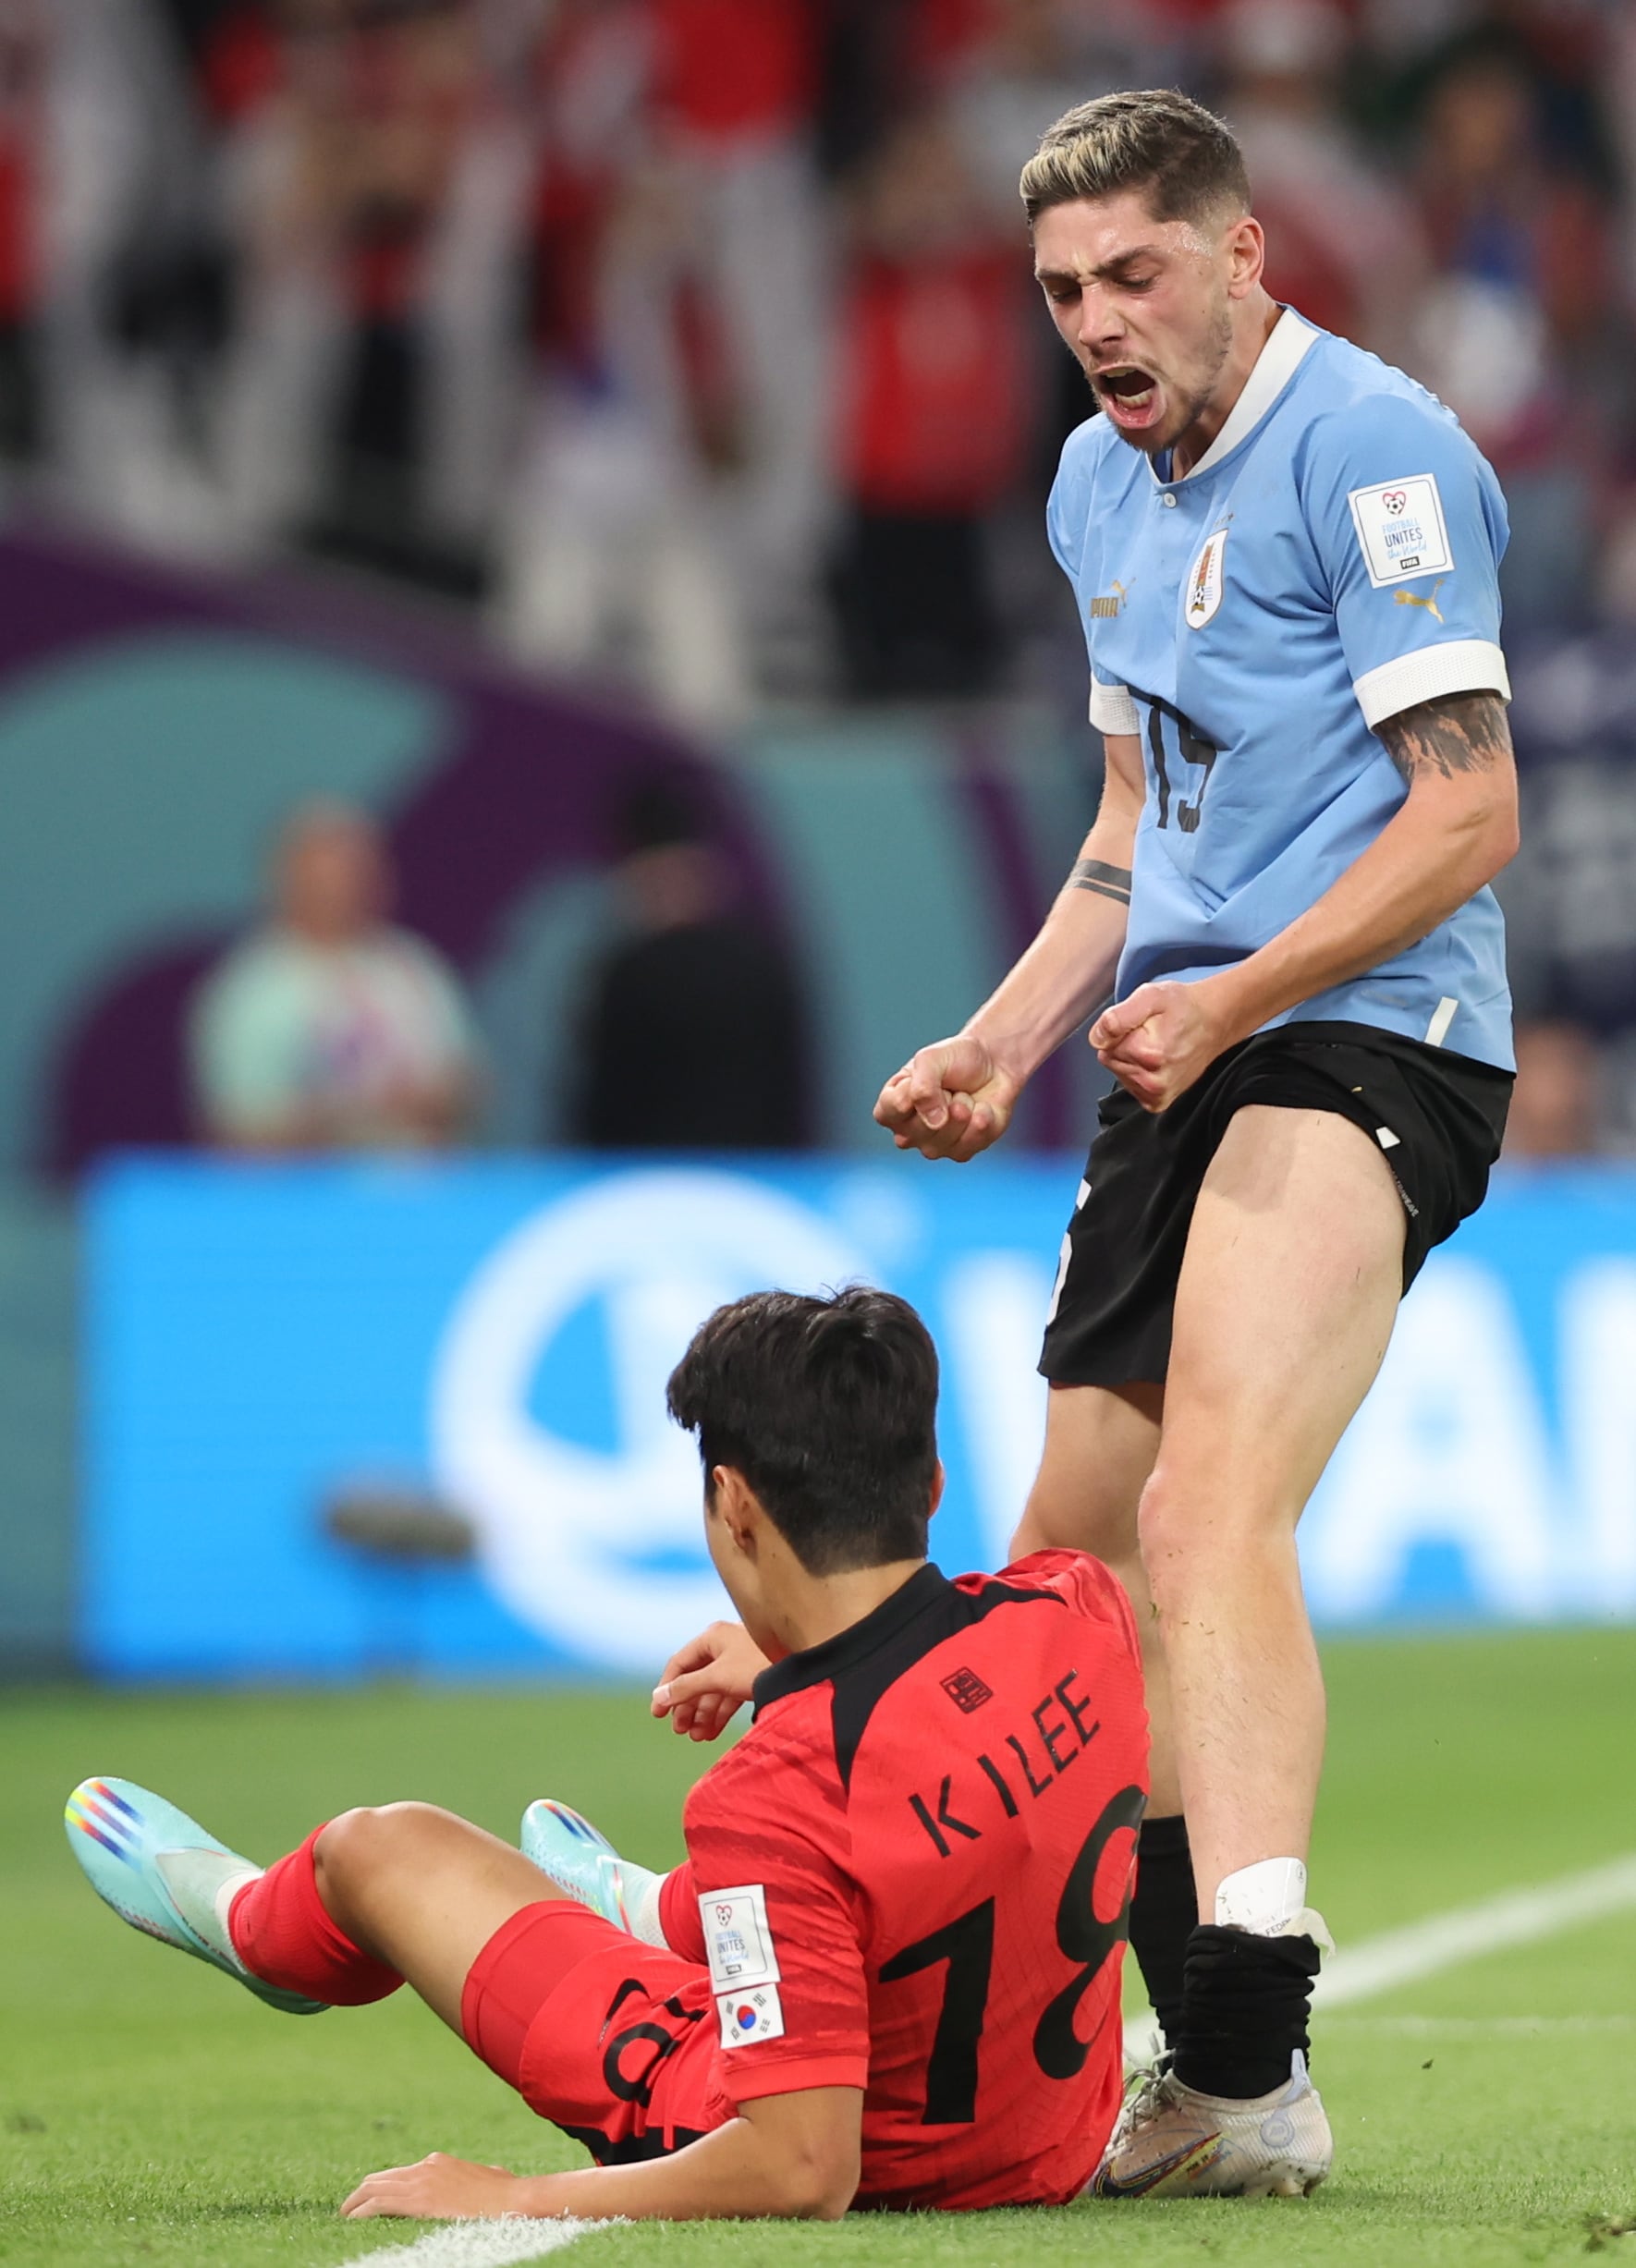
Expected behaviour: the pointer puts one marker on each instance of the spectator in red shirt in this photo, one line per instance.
(899, 1932)
(372, 184)
(736, 94)
(613, 558)
(934, 417)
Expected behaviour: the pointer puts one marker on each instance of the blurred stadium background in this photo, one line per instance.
(530, 678)
(569, 472)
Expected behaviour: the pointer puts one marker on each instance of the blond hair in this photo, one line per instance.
(1155, 139)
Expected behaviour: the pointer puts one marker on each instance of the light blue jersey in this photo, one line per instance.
(1330, 561)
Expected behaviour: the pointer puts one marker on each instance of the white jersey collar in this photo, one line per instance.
(1287, 344)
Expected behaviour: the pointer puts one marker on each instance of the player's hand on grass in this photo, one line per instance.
(949, 1101)
(1160, 1040)
(439, 2189)
(705, 1682)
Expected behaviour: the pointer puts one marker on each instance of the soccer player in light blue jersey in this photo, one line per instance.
(1286, 557)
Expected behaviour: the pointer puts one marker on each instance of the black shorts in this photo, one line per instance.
(1116, 1287)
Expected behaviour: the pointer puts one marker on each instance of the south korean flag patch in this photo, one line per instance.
(748, 2017)
(1401, 531)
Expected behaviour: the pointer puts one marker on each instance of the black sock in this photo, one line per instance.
(1244, 2011)
(1163, 1914)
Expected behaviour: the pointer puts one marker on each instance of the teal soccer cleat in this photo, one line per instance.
(579, 1859)
(159, 1872)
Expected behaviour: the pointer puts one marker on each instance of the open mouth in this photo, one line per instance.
(1130, 396)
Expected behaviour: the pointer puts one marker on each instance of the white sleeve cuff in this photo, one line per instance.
(1463, 665)
(1112, 709)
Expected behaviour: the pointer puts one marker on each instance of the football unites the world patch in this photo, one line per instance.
(737, 1943)
(1401, 530)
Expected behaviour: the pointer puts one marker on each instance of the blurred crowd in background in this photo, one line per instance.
(693, 339)
(690, 344)
(331, 1028)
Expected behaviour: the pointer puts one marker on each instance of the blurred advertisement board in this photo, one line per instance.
(486, 1345)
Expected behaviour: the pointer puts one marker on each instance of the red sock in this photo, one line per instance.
(284, 1934)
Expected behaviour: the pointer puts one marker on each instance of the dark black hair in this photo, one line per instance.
(829, 1408)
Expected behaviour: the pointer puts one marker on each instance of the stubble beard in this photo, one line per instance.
(1218, 345)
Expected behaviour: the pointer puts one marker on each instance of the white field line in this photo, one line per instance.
(1442, 1941)
(484, 2244)
(1483, 2027)
(1515, 1918)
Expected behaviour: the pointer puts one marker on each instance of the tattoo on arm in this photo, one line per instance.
(1106, 881)
(1463, 732)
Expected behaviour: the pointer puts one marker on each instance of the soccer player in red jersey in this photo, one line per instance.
(891, 1974)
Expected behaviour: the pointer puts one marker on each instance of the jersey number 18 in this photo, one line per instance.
(967, 1943)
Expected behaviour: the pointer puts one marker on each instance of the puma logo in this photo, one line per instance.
(1412, 598)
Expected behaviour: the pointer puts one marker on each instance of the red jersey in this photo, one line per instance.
(935, 383)
(912, 1876)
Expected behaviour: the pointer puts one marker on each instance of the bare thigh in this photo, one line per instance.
(1100, 1446)
(1284, 1307)
(1284, 1310)
(423, 1891)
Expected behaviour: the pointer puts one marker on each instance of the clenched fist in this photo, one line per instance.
(950, 1101)
(1163, 1038)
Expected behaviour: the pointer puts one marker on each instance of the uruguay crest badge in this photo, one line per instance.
(1204, 584)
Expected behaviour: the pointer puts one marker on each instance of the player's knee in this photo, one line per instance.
(1191, 1528)
(1168, 1528)
(359, 1843)
(1183, 1538)
(338, 1847)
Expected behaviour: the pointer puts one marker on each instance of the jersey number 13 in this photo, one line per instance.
(1166, 724)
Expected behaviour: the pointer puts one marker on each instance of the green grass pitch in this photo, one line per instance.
(151, 2112)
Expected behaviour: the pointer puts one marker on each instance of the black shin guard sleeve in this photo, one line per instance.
(1244, 2011)
(1163, 1914)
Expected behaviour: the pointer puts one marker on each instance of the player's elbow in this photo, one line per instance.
(1476, 821)
(1506, 839)
(819, 2203)
(819, 2181)
(805, 2152)
(828, 2201)
(1493, 835)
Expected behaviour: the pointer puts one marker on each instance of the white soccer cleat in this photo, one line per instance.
(1173, 2141)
